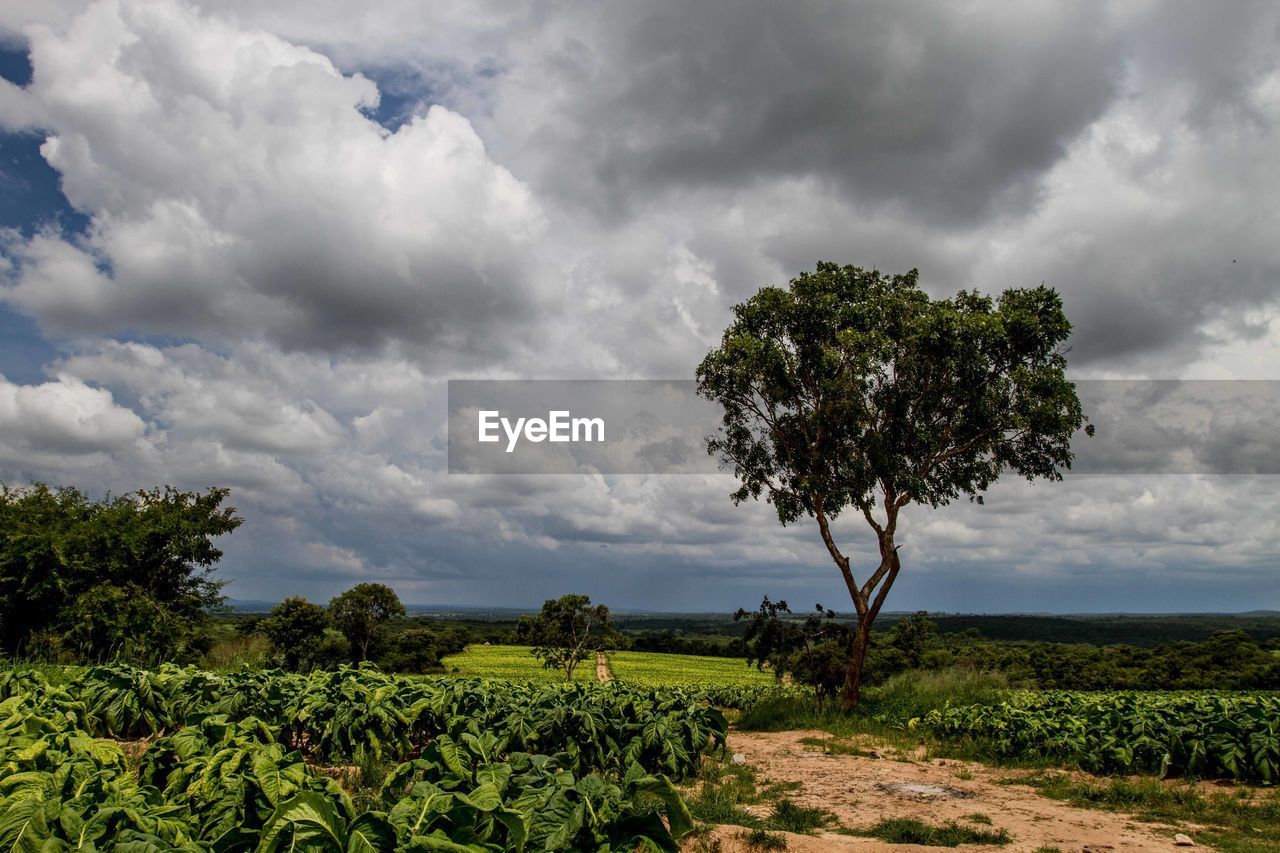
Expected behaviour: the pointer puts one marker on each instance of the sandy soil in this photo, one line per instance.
(602, 668)
(863, 790)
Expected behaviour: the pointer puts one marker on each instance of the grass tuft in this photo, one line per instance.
(1242, 820)
(793, 818)
(762, 840)
(950, 834)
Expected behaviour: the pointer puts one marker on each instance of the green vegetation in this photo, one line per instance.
(567, 631)
(950, 834)
(661, 670)
(724, 790)
(761, 839)
(512, 662)
(794, 818)
(361, 614)
(1233, 821)
(854, 391)
(1202, 734)
(126, 577)
(224, 762)
(883, 710)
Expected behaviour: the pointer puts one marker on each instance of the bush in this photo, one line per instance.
(915, 693)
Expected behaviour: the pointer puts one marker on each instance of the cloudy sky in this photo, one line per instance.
(247, 244)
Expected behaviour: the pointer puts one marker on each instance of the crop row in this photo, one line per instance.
(230, 762)
(512, 662)
(654, 669)
(1202, 734)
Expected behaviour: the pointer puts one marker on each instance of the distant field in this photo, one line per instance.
(481, 661)
(643, 669)
(651, 669)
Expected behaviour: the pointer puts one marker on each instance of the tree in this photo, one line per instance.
(810, 650)
(566, 631)
(361, 613)
(127, 576)
(912, 635)
(853, 390)
(296, 628)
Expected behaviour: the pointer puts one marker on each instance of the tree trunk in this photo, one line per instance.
(857, 658)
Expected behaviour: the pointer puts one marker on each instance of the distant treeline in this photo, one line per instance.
(1222, 660)
(1094, 629)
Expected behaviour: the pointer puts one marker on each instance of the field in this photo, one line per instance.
(513, 662)
(1204, 734)
(351, 760)
(646, 669)
(359, 760)
(642, 669)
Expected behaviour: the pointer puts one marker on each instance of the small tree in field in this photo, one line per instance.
(362, 612)
(296, 628)
(853, 390)
(567, 630)
(810, 650)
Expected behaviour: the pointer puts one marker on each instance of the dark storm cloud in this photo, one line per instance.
(594, 189)
(950, 112)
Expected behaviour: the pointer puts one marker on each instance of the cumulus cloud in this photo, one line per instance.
(238, 190)
(274, 286)
(64, 417)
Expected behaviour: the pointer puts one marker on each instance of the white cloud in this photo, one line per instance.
(65, 416)
(237, 191)
(326, 274)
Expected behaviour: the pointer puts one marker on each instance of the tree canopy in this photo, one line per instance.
(851, 390)
(361, 613)
(567, 630)
(127, 576)
(296, 628)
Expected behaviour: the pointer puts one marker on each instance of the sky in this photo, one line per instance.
(247, 244)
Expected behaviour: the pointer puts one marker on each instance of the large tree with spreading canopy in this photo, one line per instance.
(851, 390)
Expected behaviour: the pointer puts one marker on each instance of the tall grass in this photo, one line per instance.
(892, 704)
(232, 653)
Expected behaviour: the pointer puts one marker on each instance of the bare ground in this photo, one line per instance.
(863, 790)
(602, 668)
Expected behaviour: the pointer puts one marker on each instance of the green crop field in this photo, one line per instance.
(1199, 733)
(513, 662)
(651, 669)
(642, 669)
(119, 758)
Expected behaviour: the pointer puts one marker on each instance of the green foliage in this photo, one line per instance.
(125, 577)
(813, 650)
(727, 678)
(850, 381)
(760, 839)
(1205, 734)
(296, 629)
(949, 834)
(490, 766)
(362, 612)
(513, 662)
(1237, 820)
(853, 390)
(795, 818)
(567, 631)
(914, 694)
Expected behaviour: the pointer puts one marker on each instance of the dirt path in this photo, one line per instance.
(864, 790)
(602, 668)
